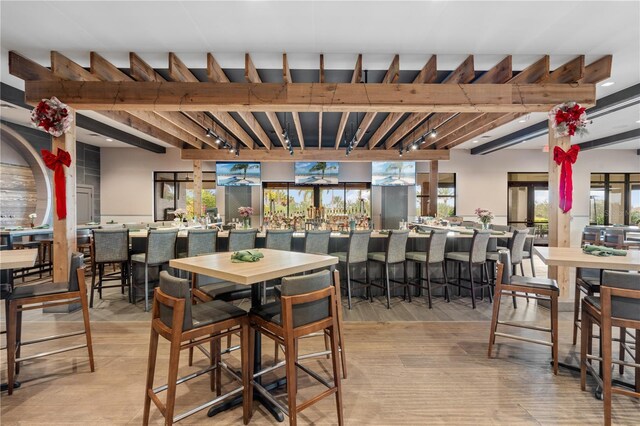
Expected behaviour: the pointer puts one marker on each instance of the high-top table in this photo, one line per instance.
(10, 260)
(274, 264)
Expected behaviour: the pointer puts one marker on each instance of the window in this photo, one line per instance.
(614, 199)
(290, 199)
(528, 201)
(446, 194)
(173, 190)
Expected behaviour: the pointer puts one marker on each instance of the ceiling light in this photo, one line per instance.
(524, 141)
(231, 150)
(474, 141)
(400, 151)
(608, 83)
(637, 121)
(522, 121)
(434, 133)
(414, 146)
(109, 140)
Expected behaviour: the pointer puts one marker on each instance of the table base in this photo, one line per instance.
(598, 392)
(5, 386)
(275, 412)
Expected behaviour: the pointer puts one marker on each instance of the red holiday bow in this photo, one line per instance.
(566, 159)
(55, 163)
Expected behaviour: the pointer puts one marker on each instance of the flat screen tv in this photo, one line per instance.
(393, 173)
(316, 172)
(238, 174)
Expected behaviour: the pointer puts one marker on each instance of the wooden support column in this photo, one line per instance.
(433, 188)
(64, 230)
(559, 222)
(197, 188)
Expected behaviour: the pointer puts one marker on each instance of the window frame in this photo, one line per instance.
(344, 186)
(175, 181)
(606, 187)
(442, 185)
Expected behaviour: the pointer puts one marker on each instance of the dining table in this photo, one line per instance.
(574, 257)
(275, 264)
(10, 260)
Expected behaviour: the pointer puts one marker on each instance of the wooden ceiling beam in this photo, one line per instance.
(501, 73)
(390, 77)
(215, 74)
(252, 76)
(195, 122)
(321, 80)
(428, 74)
(598, 71)
(356, 77)
(465, 73)
(103, 70)
(286, 77)
(357, 155)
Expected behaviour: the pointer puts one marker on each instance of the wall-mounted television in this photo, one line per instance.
(316, 172)
(393, 173)
(238, 174)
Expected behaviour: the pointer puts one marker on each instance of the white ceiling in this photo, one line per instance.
(340, 30)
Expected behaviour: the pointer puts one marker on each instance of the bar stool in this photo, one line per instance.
(590, 236)
(242, 239)
(356, 254)
(433, 255)
(477, 256)
(186, 326)
(588, 283)
(110, 246)
(394, 255)
(614, 238)
(317, 241)
(200, 241)
(38, 296)
(617, 306)
(515, 246)
(543, 288)
(308, 305)
(161, 248)
(279, 239)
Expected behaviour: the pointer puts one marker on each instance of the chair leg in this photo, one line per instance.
(123, 277)
(151, 369)
(637, 358)
(85, 318)
(459, 277)
(101, 268)
(12, 317)
(245, 348)
(486, 274)
(368, 281)
(406, 279)
(217, 348)
(336, 373)
(554, 333)
(292, 386)
(343, 352)
(18, 339)
(473, 289)
(446, 281)
(93, 283)
(585, 335)
(146, 287)
(172, 378)
(387, 284)
(533, 268)
(623, 340)
(247, 394)
(494, 321)
(576, 313)
(348, 285)
(605, 338)
(428, 284)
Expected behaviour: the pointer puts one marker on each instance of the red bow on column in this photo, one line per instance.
(55, 163)
(565, 160)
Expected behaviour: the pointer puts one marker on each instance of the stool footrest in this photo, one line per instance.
(525, 339)
(221, 398)
(54, 337)
(530, 327)
(57, 351)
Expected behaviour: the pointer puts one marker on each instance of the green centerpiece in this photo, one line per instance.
(246, 256)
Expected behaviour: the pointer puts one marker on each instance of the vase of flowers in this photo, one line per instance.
(32, 218)
(485, 217)
(245, 214)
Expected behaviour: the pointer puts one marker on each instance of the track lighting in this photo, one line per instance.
(208, 133)
(400, 151)
(433, 133)
(218, 141)
(414, 146)
(422, 140)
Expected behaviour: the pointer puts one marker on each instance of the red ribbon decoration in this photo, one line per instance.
(55, 163)
(565, 160)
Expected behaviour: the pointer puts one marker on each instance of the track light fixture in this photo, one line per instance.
(400, 151)
(433, 133)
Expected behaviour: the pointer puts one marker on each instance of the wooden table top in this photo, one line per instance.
(14, 259)
(574, 257)
(275, 264)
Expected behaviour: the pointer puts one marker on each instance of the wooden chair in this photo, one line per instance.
(38, 296)
(617, 306)
(543, 288)
(185, 326)
(614, 238)
(308, 305)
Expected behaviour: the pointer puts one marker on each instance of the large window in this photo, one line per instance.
(173, 190)
(290, 199)
(528, 201)
(446, 194)
(614, 199)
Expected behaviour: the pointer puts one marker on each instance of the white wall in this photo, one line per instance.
(481, 180)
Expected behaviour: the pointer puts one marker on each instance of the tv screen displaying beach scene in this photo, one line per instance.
(238, 174)
(316, 172)
(393, 173)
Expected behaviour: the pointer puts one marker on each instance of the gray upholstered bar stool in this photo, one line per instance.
(543, 288)
(279, 239)
(356, 254)
(110, 246)
(317, 241)
(475, 257)
(515, 246)
(201, 241)
(185, 325)
(242, 239)
(588, 281)
(394, 255)
(161, 248)
(433, 255)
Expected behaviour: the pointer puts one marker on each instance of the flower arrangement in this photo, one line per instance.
(180, 214)
(52, 116)
(245, 211)
(484, 216)
(568, 119)
(32, 218)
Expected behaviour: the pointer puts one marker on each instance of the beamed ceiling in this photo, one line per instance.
(322, 109)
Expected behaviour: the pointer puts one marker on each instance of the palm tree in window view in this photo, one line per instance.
(243, 168)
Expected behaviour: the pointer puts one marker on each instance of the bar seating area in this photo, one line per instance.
(241, 212)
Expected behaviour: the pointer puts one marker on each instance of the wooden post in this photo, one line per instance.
(433, 188)
(64, 230)
(197, 188)
(559, 222)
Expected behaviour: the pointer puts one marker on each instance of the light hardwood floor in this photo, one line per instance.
(408, 366)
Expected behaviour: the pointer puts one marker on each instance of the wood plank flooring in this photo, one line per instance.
(407, 366)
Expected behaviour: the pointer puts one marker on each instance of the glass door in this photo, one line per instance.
(528, 206)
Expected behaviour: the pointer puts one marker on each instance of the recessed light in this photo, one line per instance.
(109, 140)
(474, 141)
(524, 141)
(608, 83)
(637, 121)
